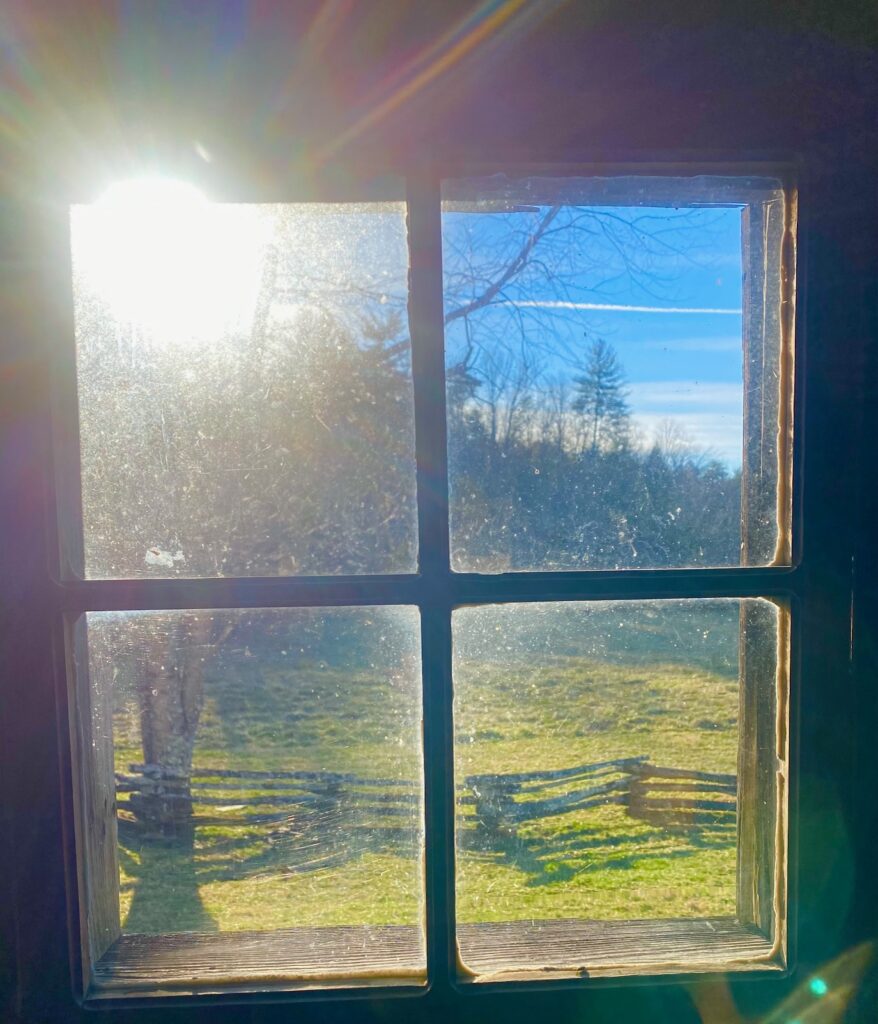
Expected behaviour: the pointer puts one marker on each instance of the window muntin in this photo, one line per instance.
(438, 590)
(244, 380)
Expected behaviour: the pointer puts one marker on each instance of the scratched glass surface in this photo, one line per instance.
(268, 770)
(245, 396)
(613, 360)
(597, 751)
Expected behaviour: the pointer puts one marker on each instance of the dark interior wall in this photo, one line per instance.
(268, 88)
(273, 91)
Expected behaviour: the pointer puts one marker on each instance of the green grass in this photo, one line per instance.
(597, 863)
(511, 716)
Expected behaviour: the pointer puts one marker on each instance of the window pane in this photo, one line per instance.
(267, 772)
(245, 394)
(608, 758)
(614, 352)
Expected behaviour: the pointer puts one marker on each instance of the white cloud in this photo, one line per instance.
(618, 307)
(665, 396)
(710, 413)
(719, 436)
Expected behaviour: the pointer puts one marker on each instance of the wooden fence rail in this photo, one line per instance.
(246, 798)
(669, 797)
(504, 801)
(686, 797)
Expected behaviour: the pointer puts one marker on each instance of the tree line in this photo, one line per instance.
(561, 480)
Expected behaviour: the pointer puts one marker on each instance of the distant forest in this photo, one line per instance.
(562, 481)
(299, 458)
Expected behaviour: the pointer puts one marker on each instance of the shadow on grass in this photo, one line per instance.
(241, 857)
(166, 894)
(168, 875)
(548, 860)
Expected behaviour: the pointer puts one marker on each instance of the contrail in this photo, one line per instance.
(612, 307)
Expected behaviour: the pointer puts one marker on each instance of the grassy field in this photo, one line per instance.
(675, 701)
(598, 863)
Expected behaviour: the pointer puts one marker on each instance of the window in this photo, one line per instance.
(337, 468)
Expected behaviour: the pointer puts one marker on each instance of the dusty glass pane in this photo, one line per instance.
(601, 750)
(613, 354)
(245, 396)
(267, 769)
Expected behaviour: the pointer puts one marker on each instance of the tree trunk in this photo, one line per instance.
(171, 696)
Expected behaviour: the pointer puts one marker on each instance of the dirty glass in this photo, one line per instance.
(599, 752)
(614, 353)
(244, 380)
(267, 772)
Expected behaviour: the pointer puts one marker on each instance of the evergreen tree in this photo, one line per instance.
(601, 398)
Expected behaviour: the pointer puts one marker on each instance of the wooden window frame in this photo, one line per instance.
(436, 590)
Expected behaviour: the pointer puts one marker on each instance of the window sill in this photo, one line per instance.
(609, 949)
(295, 959)
(287, 960)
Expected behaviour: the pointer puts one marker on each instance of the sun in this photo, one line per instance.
(180, 269)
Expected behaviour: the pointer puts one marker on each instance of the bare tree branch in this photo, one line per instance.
(509, 272)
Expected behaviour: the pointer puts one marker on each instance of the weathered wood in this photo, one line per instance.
(658, 803)
(127, 786)
(320, 776)
(496, 799)
(314, 799)
(514, 816)
(681, 809)
(159, 771)
(502, 192)
(563, 773)
(684, 820)
(685, 786)
(757, 767)
(765, 539)
(577, 948)
(251, 800)
(498, 804)
(511, 811)
(652, 771)
(138, 965)
(590, 775)
(763, 536)
(97, 839)
(256, 786)
(317, 957)
(558, 804)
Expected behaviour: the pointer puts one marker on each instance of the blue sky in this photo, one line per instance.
(687, 366)
(675, 321)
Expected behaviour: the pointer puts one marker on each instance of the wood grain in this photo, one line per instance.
(764, 540)
(97, 841)
(611, 948)
(757, 768)
(137, 965)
